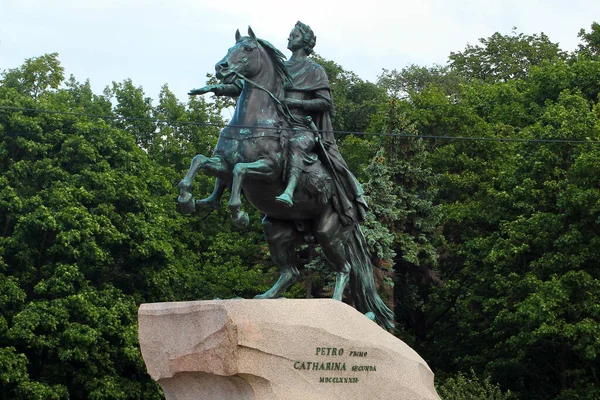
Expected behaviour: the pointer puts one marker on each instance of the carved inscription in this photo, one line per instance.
(328, 359)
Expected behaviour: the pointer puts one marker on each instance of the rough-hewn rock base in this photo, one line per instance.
(277, 350)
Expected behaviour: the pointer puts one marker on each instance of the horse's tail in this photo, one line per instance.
(365, 294)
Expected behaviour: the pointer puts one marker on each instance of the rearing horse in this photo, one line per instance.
(249, 157)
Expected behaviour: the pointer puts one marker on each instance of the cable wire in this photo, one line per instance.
(223, 125)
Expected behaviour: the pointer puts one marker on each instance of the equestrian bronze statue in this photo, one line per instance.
(278, 150)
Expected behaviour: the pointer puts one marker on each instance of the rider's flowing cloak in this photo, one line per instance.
(308, 76)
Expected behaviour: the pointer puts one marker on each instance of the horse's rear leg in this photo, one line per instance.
(282, 239)
(331, 235)
(261, 169)
(345, 247)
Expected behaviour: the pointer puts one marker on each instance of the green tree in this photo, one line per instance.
(500, 58)
(518, 269)
(76, 246)
(355, 100)
(89, 230)
(404, 224)
(415, 79)
(36, 76)
(463, 387)
(591, 41)
(134, 110)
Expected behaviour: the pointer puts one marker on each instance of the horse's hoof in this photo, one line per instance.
(242, 221)
(186, 203)
(209, 202)
(184, 186)
(285, 199)
(185, 197)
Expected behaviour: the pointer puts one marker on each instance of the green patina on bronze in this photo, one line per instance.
(287, 164)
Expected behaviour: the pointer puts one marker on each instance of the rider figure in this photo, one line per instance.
(309, 95)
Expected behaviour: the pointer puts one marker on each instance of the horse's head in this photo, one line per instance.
(249, 57)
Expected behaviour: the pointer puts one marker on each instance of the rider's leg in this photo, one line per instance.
(287, 197)
(300, 144)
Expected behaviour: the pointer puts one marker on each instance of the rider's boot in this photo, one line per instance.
(287, 197)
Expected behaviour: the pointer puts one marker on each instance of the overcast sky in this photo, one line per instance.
(178, 41)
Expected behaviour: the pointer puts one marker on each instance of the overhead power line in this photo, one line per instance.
(223, 125)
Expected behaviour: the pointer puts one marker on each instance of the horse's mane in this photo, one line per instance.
(278, 57)
(281, 71)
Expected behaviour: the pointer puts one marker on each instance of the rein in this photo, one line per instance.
(284, 107)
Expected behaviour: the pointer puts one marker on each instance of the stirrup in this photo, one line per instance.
(285, 199)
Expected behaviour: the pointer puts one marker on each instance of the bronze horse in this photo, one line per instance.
(249, 157)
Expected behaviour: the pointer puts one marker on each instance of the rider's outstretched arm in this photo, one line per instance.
(224, 89)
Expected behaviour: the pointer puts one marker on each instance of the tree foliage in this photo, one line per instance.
(464, 387)
(591, 41)
(500, 58)
(90, 230)
(519, 275)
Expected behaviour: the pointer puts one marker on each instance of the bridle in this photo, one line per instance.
(286, 111)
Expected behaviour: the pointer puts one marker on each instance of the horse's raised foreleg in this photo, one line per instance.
(214, 200)
(331, 235)
(213, 166)
(282, 238)
(259, 169)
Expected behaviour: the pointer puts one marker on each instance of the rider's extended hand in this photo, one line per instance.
(201, 90)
